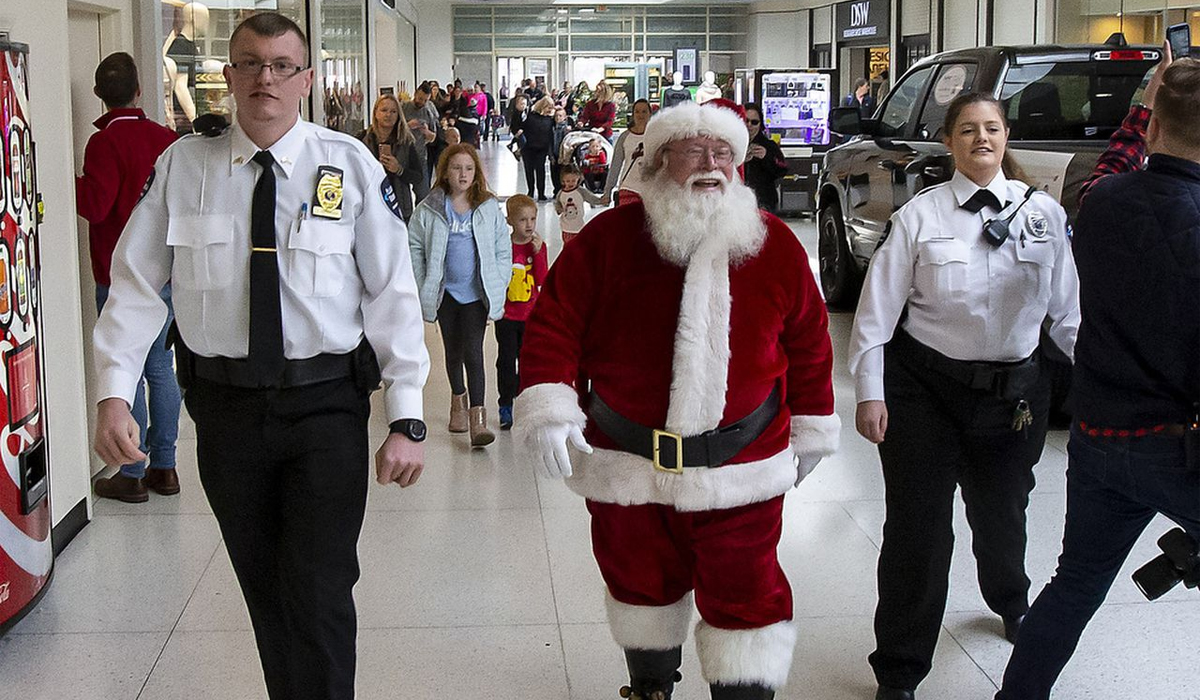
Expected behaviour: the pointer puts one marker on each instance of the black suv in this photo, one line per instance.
(1062, 102)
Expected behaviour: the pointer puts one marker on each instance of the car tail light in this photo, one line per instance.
(1126, 55)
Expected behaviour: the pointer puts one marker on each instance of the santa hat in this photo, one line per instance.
(690, 119)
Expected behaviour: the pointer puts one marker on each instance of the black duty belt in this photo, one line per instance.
(296, 373)
(1006, 380)
(671, 452)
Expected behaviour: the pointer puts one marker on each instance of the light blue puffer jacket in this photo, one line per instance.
(428, 233)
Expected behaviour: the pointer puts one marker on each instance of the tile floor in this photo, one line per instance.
(479, 583)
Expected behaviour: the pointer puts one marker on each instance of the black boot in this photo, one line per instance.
(652, 674)
(741, 692)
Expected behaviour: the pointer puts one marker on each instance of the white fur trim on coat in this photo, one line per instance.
(613, 476)
(760, 656)
(650, 627)
(690, 119)
(700, 369)
(542, 405)
(815, 436)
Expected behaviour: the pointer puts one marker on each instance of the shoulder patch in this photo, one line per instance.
(389, 198)
(146, 187)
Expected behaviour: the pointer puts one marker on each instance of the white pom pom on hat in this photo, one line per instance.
(690, 119)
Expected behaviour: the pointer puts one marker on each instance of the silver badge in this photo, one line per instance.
(1036, 225)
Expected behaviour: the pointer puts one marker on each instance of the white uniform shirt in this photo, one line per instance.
(340, 279)
(966, 299)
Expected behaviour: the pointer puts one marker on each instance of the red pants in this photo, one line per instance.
(653, 555)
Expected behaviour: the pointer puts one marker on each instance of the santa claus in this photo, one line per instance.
(677, 370)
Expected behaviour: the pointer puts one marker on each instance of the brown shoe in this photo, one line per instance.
(480, 435)
(458, 413)
(122, 488)
(164, 482)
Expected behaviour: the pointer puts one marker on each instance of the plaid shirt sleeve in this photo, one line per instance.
(1126, 149)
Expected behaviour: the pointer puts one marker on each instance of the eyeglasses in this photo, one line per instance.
(754, 122)
(280, 69)
(695, 155)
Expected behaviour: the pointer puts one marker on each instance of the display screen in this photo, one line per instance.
(796, 108)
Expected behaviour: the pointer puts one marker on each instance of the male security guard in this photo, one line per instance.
(288, 258)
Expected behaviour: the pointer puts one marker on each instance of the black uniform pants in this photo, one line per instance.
(509, 337)
(286, 474)
(941, 435)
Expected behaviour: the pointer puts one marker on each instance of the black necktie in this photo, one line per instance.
(266, 316)
(982, 198)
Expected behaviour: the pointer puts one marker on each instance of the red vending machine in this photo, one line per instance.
(26, 553)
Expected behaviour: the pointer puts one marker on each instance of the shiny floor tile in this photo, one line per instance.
(92, 666)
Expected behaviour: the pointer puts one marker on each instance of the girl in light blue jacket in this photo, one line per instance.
(462, 259)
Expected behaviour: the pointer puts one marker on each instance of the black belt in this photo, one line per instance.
(671, 452)
(1006, 380)
(314, 370)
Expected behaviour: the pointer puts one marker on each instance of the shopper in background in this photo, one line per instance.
(562, 126)
(529, 266)
(537, 131)
(117, 162)
(393, 144)
(861, 98)
(765, 163)
(944, 351)
(462, 260)
(422, 118)
(625, 171)
(600, 111)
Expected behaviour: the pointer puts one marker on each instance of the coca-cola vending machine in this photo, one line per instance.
(26, 553)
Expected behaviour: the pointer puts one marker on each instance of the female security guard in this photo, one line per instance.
(953, 306)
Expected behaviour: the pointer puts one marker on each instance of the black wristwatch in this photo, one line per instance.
(411, 428)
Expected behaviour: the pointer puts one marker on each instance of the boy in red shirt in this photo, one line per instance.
(117, 163)
(529, 266)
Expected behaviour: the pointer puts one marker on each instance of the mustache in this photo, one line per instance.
(710, 175)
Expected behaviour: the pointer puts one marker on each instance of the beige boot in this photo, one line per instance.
(480, 435)
(458, 413)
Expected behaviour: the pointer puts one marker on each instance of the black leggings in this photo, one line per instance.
(535, 170)
(463, 326)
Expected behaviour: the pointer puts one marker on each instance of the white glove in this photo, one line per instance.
(552, 447)
(805, 464)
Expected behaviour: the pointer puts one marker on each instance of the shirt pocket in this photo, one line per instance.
(942, 267)
(203, 251)
(319, 259)
(1035, 263)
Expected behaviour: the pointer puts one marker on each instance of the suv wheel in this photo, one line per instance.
(840, 278)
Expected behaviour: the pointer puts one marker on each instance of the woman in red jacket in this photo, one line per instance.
(600, 111)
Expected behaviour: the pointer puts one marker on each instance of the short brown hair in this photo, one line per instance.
(117, 80)
(479, 192)
(270, 25)
(518, 203)
(1178, 102)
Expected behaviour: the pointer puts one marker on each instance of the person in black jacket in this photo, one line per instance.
(764, 161)
(1134, 450)
(390, 140)
(538, 132)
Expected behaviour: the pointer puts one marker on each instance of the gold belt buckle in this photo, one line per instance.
(658, 450)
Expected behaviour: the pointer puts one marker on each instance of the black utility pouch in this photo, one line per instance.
(366, 368)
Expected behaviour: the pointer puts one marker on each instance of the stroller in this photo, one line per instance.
(577, 149)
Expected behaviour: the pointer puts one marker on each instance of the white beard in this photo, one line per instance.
(681, 219)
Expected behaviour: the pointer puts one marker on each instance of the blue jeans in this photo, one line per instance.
(160, 424)
(1114, 488)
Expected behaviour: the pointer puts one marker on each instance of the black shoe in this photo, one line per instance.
(886, 693)
(741, 692)
(1012, 627)
(652, 674)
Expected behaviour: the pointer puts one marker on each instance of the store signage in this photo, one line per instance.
(863, 19)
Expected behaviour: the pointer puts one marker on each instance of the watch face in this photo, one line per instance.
(416, 430)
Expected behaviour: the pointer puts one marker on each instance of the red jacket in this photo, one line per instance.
(596, 116)
(116, 164)
(610, 311)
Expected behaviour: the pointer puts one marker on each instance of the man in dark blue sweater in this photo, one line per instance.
(1136, 386)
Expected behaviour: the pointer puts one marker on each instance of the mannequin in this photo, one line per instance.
(181, 57)
(677, 92)
(708, 90)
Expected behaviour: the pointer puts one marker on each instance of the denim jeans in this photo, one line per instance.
(1114, 488)
(160, 424)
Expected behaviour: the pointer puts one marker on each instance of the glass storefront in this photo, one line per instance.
(1142, 21)
(196, 48)
(343, 75)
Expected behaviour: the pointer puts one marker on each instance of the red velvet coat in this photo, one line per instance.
(609, 311)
